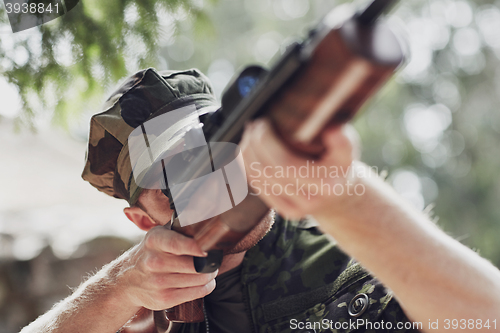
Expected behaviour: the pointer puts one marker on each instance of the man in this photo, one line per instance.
(285, 275)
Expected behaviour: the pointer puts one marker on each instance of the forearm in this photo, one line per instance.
(432, 275)
(156, 274)
(98, 305)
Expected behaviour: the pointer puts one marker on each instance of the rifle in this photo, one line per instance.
(318, 83)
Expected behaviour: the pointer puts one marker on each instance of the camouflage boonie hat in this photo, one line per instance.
(141, 97)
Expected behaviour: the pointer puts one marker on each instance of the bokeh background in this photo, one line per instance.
(435, 127)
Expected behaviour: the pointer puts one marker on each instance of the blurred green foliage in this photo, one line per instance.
(60, 66)
(435, 127)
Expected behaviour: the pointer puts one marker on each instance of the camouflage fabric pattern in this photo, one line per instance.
(141, 97)
(296, 272)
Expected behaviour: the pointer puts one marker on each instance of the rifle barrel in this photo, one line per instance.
(374, 10)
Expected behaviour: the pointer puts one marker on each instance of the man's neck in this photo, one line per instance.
(230, 261)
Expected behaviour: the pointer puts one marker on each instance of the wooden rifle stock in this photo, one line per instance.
(317, 84)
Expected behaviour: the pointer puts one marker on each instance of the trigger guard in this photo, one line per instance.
(210, 263)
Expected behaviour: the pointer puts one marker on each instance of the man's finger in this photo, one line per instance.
(160, 281)
(160, 262)
(182, 295)
(268, 147)
(169, 241)
(340, 143)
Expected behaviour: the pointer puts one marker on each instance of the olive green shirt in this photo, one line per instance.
(296, 279)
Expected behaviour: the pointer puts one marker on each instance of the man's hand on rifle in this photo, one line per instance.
(156, 274)
(305, 186)
(159, 272)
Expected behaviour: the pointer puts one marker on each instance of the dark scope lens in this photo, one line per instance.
(245, 84)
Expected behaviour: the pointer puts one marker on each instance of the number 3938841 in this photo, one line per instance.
(26, 14)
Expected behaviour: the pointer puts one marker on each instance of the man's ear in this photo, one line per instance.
(139, 217)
